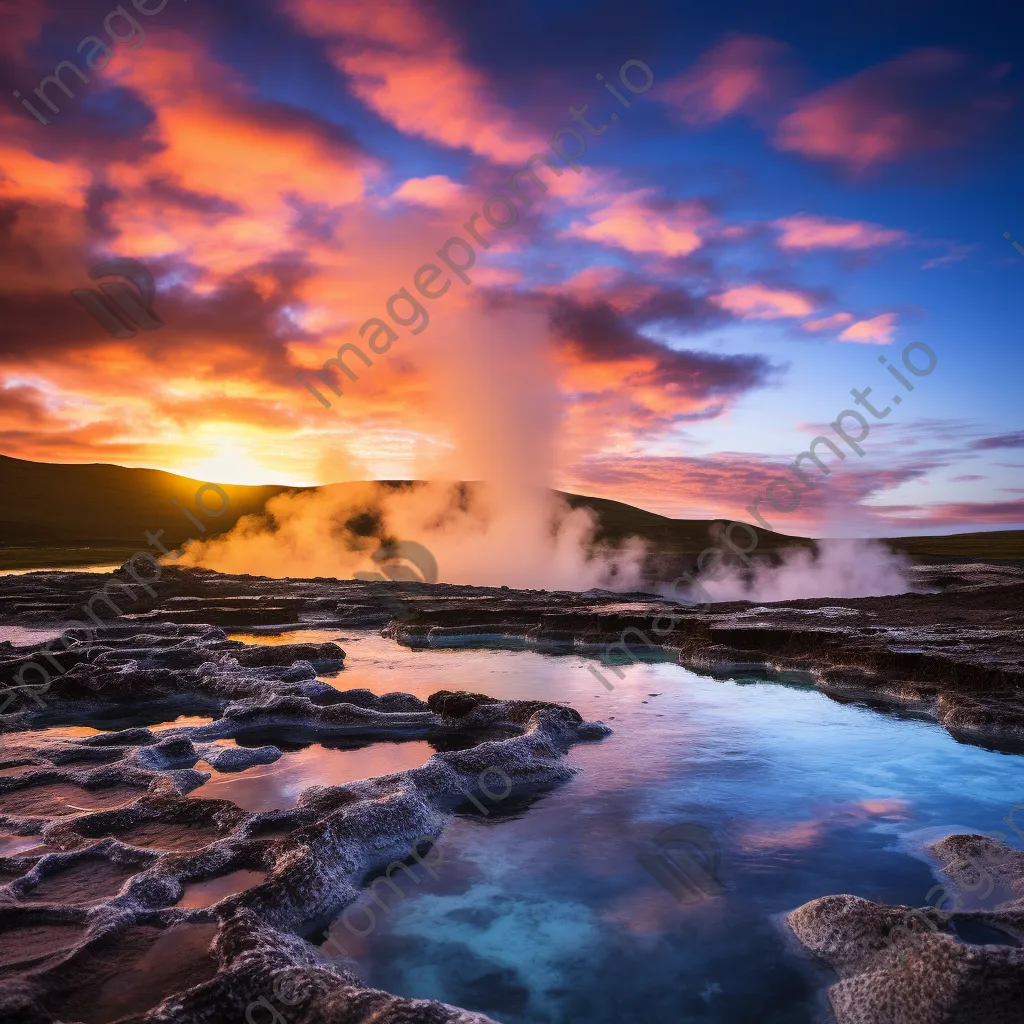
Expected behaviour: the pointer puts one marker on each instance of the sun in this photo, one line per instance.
(229, 459)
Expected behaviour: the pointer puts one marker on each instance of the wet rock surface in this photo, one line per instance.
(121, 899)
(951, 650)
(905, 965)
(109, 874)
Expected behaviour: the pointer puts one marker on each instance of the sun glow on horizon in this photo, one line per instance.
(232, 457)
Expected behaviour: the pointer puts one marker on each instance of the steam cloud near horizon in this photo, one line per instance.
(842, 568)
(495, 391)
(479, 534)
(494, 384)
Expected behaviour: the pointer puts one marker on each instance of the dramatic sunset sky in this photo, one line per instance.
(803, 189)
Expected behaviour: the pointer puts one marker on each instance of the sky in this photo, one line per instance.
(768, 201)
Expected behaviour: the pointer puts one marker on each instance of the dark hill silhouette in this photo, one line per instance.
(56, 514)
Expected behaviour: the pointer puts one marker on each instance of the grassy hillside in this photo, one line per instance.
(73, 515)
(672, 536)
(691, 536)
(996, 546)
(77, 515)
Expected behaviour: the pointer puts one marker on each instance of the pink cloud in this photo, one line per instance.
(405, 65)
(955, 255)
(923, 100)
(876, 331)
(956, 514)
(733, 76)
(758, 302)
(806, 231)
(828, 323)
(435, 190)
(637, 222)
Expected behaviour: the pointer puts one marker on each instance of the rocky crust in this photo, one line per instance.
(103, 847)
(104, 850)
(930, 965)
(951, 651)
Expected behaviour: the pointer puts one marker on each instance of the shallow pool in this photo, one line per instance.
(277, 786)
(544, 913)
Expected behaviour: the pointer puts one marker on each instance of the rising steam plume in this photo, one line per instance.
(493, 385)
(495, 391)
(476, 535)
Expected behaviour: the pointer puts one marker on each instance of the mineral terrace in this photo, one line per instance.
(102, 840)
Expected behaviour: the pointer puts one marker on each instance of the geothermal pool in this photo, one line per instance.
(543, 913)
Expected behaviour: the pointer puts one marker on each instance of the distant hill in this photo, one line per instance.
(993, 546)
(671, 536)
(53, 514)
(691, 536)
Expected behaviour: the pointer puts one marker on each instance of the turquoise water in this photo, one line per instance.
(543, 913)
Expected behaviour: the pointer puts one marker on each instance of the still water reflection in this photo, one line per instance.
(545, 913)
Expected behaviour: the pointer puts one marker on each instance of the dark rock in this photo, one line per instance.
(904, 965)
(235, 759)
(456, 704)
(127, 860)
(175, 747)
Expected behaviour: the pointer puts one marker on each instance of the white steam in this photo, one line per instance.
(495, 393)
(493, 386)
(478, 534)
(842, 568)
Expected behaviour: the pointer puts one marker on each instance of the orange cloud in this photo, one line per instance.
(805, 231)
(923, 100)
(25, 176)
(28, 177)
(758, 302)
(876, 331)
(726, 80)
(214, 146)
(234, 204)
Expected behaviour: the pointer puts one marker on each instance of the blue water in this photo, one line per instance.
(543, 913)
